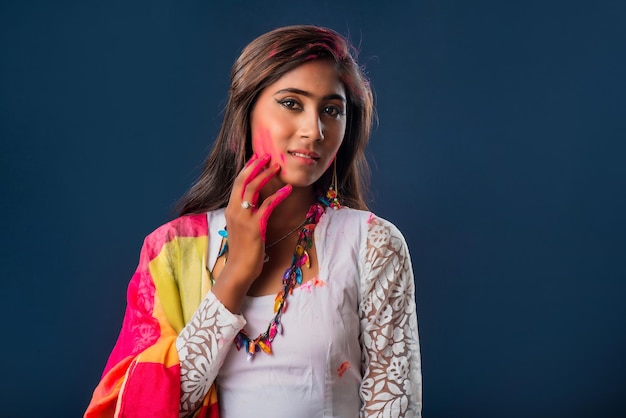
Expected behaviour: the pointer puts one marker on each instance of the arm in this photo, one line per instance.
(202, 347)
(205, 341)
(391, 366)
(152, 371)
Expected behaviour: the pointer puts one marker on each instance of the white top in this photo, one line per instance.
(349, 339)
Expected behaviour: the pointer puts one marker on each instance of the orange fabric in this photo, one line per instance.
(105, 395)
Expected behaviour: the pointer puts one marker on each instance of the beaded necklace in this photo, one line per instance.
(291, 278)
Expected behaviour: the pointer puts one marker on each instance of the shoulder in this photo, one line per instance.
(380, 230)
(367, 223)
(375, 238)
(384, 245)
(187, 226)
(193, 225)
(346, 218)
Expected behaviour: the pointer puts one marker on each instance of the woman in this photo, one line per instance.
(262, 298)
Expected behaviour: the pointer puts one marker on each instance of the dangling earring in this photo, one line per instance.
(331, 194)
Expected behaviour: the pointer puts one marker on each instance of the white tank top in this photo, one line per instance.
(315, 365)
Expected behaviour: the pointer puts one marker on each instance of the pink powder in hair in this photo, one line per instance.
(274, 50)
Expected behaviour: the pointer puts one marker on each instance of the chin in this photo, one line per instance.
(299, 181)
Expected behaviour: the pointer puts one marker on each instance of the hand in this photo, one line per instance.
(247, 227)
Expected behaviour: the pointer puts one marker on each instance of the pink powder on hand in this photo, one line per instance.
(280, 195)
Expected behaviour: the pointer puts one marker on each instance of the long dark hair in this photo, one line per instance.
(263, 62)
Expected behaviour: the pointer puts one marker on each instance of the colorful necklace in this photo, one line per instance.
(291, 278)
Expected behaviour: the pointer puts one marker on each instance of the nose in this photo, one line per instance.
(311, 127)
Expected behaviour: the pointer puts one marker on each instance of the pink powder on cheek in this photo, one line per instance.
(262, 144)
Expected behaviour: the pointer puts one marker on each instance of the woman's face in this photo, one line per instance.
(300, 120)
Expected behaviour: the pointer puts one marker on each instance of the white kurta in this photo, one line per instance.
(349, 339)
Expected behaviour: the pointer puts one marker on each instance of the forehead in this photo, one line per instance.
(319, 77)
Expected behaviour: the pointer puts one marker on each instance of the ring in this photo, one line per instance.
(246, 205)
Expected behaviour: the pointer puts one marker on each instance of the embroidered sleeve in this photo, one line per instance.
(202, 347)
(391, 366)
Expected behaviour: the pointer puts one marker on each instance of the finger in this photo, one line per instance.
(268, 207)
(248, 168)
(262, 180)
(254, 187)
(255, 168)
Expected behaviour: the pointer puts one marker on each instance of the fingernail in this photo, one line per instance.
(285, 190)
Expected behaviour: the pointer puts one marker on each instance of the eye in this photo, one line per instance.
(333, 110)
(290, 104)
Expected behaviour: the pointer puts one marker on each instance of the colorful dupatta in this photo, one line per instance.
(142, 375)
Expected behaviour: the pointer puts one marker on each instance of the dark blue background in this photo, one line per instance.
(499, 154)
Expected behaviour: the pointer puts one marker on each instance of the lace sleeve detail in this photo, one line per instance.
(392, 380)
(202, 347)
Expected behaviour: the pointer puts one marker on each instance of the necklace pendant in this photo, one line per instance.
(266, 259)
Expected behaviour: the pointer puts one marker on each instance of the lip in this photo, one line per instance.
(304, 155)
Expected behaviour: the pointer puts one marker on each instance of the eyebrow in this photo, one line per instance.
(307, 94)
